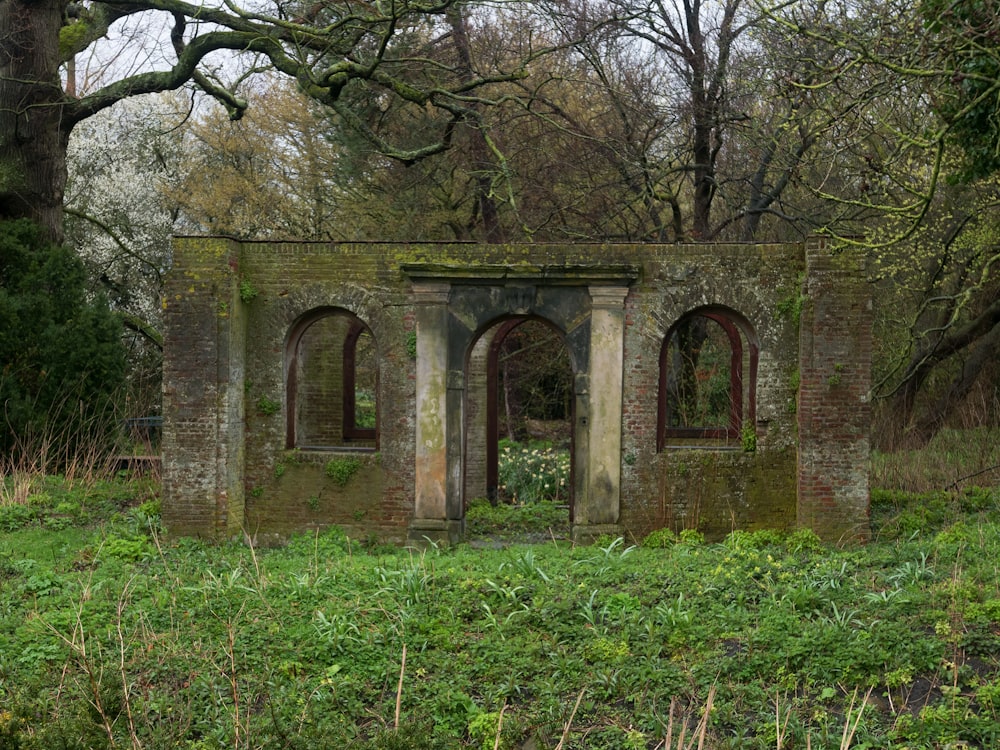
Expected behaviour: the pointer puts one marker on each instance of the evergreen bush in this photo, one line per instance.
(61, 356)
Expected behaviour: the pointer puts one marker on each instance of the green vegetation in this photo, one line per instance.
(61, 358)
(365, 411)
(248, 292)
(340, 470)
(532, 472)
(950, 461)
(111, 636)
(542, 519)
(268, 406)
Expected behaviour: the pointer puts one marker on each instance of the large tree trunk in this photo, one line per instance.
(32, 141)
(483, 166)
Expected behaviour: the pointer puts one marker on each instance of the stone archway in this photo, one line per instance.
(454, 305)
(484, 373)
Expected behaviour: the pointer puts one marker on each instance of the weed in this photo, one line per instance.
(748, 437)
(248, 292)
(340, 470)
(268, 406)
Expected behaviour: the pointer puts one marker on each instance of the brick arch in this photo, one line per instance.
(223, 356)
(342, 409)
(743, 340)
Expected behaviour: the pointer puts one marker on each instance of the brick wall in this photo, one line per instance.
(833, 401)
(226, 463)
(203, 373)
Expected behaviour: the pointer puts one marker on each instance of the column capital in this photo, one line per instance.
(608, 297)
(431, 292)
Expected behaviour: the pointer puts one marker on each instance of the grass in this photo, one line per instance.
(111, 636)
(954, 459)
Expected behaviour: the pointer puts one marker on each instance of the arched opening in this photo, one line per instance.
(520, 408)
(708, 379)
(331, 382)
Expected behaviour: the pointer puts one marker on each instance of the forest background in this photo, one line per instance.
(616, 121)
(875, 123)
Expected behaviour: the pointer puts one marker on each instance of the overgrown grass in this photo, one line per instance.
(953, 460)
(112, 637)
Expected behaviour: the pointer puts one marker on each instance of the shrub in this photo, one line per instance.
(660, 539)
(61, 347)
(340, 470)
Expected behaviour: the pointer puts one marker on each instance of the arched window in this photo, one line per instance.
(332, 382)
(708, 374)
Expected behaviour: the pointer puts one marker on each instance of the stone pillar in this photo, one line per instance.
(834, 414)
(476, 411)
(597, 508)
(432, 478)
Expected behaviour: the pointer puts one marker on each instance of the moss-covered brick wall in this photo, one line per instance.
(235, 310)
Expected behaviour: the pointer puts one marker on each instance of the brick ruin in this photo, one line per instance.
(308, 385)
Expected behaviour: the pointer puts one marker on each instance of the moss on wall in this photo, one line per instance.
(225, 351)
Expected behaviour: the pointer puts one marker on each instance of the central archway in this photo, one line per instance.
(454, 305)
(519, 411)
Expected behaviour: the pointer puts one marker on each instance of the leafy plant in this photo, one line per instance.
(268, 406)
(248, 292)
(340, 470)
(530, 473)
(660, 539)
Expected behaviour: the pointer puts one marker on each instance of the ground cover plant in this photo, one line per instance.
(111, 636)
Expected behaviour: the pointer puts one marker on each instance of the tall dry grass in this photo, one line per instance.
(85, 452)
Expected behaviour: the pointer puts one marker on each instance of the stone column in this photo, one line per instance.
(431, 474)
(597, 509)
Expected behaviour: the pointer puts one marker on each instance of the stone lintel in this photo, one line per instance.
(610, 275)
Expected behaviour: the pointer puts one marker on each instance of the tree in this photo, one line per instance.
(924, 126)
(945, 294)
(119, 220)
(272, 174)
(328, 47)
(120, 165)
(965, 37)
(62, 357)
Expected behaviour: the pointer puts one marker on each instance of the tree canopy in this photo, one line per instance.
(614, 120)
(403, 50)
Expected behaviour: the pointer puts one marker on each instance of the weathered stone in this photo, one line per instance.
(235, 314)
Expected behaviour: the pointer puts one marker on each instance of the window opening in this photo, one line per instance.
(708, 367)
(332, 383)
